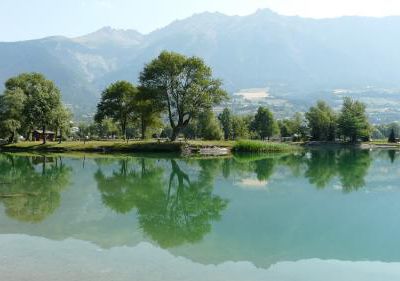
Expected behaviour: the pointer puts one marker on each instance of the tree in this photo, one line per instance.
(61, 121)
(353, 121)
(117, 103)
(392, 136)
(322, 122)
(107, 128)
(241, 127)
(184, 85)
(225, 118)
(208, 126)
(11, 105)
(284, 128)
(39, 99)
(264, 123)
(293, 127)
(149, 109)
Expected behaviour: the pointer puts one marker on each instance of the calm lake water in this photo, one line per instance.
(315, 215)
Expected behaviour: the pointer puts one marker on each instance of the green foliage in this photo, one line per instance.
(226, 120)
(241, 127)
(31, 101)
(262, 146)
(117, 103)
(350, 165)
(321, 121)
(264, 123)
(61, 121)
(31, 186)
(383, 131)
(353, 121)
(294, 127)
(149, 109)
(208, 127)
(184, 85)
(107, 128)
(392, 137)
(173, 209)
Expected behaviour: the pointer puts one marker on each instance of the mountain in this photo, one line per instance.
(294, 57)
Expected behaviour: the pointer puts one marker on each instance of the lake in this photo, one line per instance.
(312, 215)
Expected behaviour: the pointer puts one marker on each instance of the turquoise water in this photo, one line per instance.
(315, 215)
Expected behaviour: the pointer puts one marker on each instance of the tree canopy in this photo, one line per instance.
(30, 102)
(264, 123)
(322, 122)
(353, 121)
(184, 85)
(117, 103)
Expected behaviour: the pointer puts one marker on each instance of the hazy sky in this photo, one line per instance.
(28, 19)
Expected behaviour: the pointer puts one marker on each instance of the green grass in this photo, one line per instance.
(113, 146)
(382, 142)
(262, 147)
(119, 146)
(218, 143)
(95, 146)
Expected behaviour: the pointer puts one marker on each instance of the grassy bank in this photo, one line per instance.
(262, 147)
(95, 146)
(147, 146)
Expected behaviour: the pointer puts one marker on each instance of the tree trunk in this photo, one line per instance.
(44, 134)
(60, 139)
(123, 127)
(11, 139)
(143, 128)
(175, 132)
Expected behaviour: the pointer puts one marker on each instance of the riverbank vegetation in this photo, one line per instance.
(175, 100)
(262, 147)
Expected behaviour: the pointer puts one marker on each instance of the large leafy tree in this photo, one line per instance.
(184, 85)
(264, 123)
(321, 120)
(32, 100)
(117, 103)
(353, 121)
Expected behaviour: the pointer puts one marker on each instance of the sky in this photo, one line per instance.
(32, 19)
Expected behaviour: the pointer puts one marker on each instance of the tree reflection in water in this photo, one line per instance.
(31, 186)
(349, 165)
(172, 210)
(320, 166)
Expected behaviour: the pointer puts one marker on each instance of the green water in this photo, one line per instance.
(314, 215)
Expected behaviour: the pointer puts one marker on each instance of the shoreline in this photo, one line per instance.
(186, 148)
(205, 148)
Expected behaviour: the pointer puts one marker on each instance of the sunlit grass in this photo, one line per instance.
(262, 146)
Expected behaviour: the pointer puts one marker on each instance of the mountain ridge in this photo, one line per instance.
(291, 55)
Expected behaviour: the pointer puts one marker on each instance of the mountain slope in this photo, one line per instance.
(295, 55)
